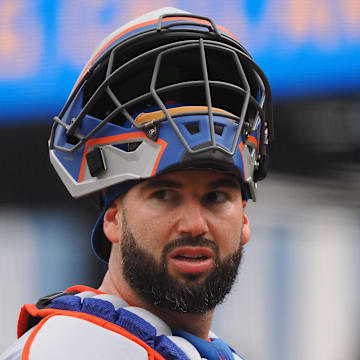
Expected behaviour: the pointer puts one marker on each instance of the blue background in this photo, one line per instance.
(45, 44)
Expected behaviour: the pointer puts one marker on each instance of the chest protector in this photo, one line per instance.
(83, 323)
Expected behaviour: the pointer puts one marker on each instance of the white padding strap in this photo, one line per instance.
(161, 327)
(189, 349)
(65, 337)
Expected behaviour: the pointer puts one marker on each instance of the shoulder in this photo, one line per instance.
(68, 332)
(61, 336)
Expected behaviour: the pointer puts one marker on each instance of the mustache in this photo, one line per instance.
(190, 241)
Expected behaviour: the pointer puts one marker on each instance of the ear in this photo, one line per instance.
(112, 223)
(246, 232)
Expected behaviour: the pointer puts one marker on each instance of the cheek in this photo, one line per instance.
(228, 235)
(152, 233)
(231, 241)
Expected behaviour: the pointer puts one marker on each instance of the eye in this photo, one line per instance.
(164, 195)
(215, 197)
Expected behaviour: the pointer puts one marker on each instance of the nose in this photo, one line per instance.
(192, 220)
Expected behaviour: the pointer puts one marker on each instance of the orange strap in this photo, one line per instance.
(158, 114)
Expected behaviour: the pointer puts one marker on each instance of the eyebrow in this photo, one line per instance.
(160, 183)
(226, 182)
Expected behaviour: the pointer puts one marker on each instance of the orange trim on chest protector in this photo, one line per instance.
(159, 114)
(83, 288)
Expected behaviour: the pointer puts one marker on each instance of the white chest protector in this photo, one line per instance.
(91, 325)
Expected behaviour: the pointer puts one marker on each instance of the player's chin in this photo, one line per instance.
(193, 278)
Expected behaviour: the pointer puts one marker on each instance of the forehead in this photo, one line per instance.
(191, 179)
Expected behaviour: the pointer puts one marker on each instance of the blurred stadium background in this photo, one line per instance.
(298, 295)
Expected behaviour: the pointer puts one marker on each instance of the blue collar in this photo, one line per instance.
(215, 349)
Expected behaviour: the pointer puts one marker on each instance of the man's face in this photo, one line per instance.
(181, 238)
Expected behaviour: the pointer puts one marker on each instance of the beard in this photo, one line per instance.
(151, 280)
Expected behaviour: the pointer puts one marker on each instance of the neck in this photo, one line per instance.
(196, 324)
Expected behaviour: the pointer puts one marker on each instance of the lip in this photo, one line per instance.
(191, 259)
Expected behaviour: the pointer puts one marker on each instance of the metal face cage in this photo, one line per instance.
(180, 64)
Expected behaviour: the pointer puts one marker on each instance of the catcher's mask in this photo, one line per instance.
(167, 91)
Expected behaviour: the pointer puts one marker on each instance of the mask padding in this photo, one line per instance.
(95, 161)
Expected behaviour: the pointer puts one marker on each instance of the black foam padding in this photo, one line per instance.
(95, 161)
